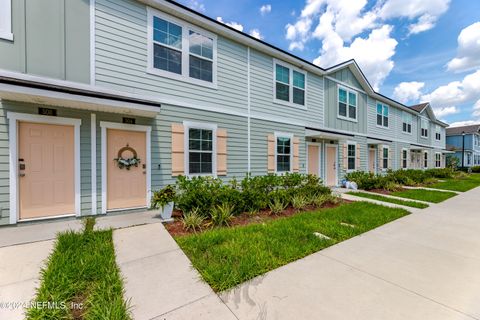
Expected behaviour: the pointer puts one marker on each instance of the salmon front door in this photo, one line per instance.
(371, 160)
(126, 188)
(313, 160)
(331, 165)
(46, 168)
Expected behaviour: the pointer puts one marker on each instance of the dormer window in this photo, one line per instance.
(424, 128)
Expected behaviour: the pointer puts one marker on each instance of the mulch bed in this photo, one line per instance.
(175, 228)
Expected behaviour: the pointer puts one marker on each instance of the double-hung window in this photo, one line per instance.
(404, 158)
(438, 160)
(347, 104)
(284, 153)
(180, 51)
(351, 156)
(382, 115)
(424, 128)
(425, 159)
(406, 122)
(438, 134)
(6, 20)
(289, 85)
(385, 157)
(201, 151)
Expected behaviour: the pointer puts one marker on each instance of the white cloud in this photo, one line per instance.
(476, 109)
(373, 54)
(464, 123)
(266, 8)
(256, 34)
(408, 91)
(234, 25)
(424, 23)
(196, 5)
(468, 56)
(445, 111)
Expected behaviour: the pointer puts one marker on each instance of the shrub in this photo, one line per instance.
(192, 220)
(221, 215)
(162, 197)
(320, 200)
(88, 224)
(299, 201)
(197, 192)
(277, 205)
(441, 173)
(476, 169)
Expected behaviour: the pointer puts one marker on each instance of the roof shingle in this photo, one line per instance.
(475, 128)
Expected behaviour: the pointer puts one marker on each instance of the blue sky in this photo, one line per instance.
(410, 50)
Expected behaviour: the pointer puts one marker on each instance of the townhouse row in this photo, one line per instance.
(104, 101)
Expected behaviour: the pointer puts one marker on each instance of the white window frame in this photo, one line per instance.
(348, 90)
(438, 131)
(354, 144)
(284, 135)
(383, 157)
(187, 125)
(409, 117)
(402, 159)
(438, 163)
(422, 122)
(290, 85)
(425, 159)
(6, 20)
(186, 27)
(469, 159)
(384, 107)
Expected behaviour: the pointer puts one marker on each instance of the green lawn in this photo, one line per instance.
(378, 197)
(226, 257)
(82, 270)
(459, 184)
(424, 195)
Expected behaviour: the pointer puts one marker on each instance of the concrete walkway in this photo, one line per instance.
(423, 266)
(159, 278)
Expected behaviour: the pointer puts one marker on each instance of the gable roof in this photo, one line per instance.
(475, 128)
(420, 107)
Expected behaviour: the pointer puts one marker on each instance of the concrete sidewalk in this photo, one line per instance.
(160, 280)
(423, 266)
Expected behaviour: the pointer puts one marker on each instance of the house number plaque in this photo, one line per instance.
(47, 112)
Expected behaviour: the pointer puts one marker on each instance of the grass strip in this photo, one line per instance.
(378, 197)
(226, 257)
(459, 184)
(424, 195)
(81, 279)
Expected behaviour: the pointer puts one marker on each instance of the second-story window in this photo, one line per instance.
(438, 134)
(406, 122)
(382, 115)
(289, 85)
(347, 104)
(180, 51)
(424, 128)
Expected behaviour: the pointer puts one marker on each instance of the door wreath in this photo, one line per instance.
(127, 163)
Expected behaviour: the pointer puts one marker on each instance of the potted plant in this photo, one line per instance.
(164, 200)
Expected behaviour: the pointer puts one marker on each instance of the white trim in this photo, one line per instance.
(290, 68)
(319, 145)
(6, 20)
(284, 135)
(352, 143)
(383, 109)
(93, 160)
(185, 50)
(248, 113)
(104, 125)
(92, 42)
(406, 159)
(435, 159)
(347, 118)
(386, 146)
(186, 146)
(337, 160)
(14, 118)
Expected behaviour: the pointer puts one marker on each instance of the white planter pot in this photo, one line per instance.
(166, 212)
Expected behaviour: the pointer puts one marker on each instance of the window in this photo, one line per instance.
(351, 156)
(385, 157)
(284, 153)
(180, 51)
(6, 19)
(424, 127)
(438, 134)
(425, 159)
(289, 85)
(438, 160)
(406, 122)
(404, 158)
(382, 115)
(469, 158)
(347, 104)
(200, 151)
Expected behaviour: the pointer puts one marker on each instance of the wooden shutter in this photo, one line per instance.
(221, 152)
(296, 162)
(178, 152)
(271, 153)
(345, 156)
(390, 158)
(357, 154)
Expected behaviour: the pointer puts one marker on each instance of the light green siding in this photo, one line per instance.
(346, 76)
(51, 39)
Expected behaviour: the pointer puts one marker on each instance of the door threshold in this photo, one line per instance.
(48, 217)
